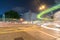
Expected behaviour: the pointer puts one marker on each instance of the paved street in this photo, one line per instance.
(28, 32)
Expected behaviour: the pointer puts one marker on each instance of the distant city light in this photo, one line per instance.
(21, 19)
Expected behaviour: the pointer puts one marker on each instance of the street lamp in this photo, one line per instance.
(21, 20)
(42, 7)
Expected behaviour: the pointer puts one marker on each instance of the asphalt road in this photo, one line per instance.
(28, 32)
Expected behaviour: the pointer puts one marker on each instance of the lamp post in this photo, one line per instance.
(42, 7)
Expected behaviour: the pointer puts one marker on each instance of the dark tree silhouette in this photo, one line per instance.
(12, 14)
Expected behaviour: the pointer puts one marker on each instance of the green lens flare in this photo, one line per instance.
(48, 10)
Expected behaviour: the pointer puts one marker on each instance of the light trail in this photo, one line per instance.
(48, 10)
(39, 16)
(55, 29)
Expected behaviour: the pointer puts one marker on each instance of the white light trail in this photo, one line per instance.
(56, 25)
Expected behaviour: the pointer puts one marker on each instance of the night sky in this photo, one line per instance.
(6, 5)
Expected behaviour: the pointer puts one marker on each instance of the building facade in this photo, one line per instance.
(30, 16)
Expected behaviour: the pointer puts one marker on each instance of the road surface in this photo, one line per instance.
(28, 32)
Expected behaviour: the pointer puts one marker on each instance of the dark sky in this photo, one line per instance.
(6, 5)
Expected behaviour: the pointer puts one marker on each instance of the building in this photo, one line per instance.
(57, 16)
(30, 16)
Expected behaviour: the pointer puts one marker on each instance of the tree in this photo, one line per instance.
(12, 14)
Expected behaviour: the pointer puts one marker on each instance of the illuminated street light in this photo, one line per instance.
(21, 19)
(42, 7)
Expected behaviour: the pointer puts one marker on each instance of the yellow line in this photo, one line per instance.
(5, 32)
